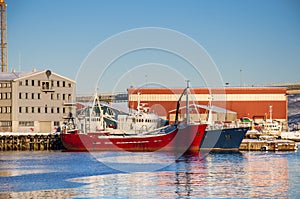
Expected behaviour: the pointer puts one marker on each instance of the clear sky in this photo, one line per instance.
(251, 42)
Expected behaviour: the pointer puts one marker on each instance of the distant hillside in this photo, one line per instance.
(294, 109)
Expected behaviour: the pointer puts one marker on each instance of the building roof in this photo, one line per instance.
(11, 76)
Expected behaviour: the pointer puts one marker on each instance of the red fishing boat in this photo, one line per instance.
(178, 137)
(171, 138)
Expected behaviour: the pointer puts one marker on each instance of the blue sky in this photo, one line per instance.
(259, 38)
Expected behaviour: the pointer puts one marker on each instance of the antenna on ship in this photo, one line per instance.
(3, 32)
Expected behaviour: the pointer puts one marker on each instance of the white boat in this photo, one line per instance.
(271, 127)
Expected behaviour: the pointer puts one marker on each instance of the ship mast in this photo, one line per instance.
(187, 102)
(3, 42)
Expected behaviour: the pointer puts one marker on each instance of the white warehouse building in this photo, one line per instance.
(34, 101)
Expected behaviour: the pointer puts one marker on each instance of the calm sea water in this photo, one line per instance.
(214, 175)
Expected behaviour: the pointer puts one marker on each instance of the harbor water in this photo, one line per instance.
(58, 174)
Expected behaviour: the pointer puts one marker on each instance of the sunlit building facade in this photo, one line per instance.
(34, 101)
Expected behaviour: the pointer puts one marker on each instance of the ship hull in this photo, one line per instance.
(223, 139)
(176, 139)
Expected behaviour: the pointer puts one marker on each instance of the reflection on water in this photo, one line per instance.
(246, 174)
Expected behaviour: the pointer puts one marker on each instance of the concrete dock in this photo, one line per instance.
(29, 141)
(46, 141)
(268, 145)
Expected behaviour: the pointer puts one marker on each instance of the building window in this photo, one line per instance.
(51, 96)
(5, 109)
(46, 110)
(26, 109)
(70, 85)
(39, 96)
(32, 82)
(64, 84)
(26, 123)
(64, 97)
(64, 110)
(52, 110)
(57, 110)
(57, 83)
(20, 95)
(0, 95)
(26, 95)
(56, 123)
(8, 85)
(69, 97)
(46, 85)
(20, 83)
(26, 82)
(5, 123)
(32, 109)
(58, 96)
(20, 109)
(52, 83)
(32, 95)
(39, 109)
(39, 83)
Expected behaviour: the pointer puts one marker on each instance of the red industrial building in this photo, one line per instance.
(252, 102)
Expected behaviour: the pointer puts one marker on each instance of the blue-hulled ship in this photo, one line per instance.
(223, 139)
(218, 136)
